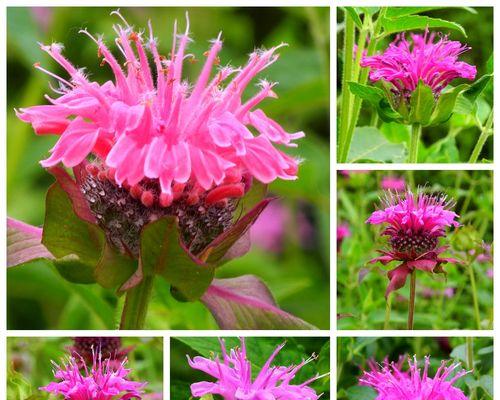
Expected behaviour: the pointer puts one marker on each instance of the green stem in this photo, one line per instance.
(411, 305)
(136, 305)
(416, 129)
(387, 311)
(470, 362)
(472, 278)
(485, 132)
(346, 77)
(372, 46)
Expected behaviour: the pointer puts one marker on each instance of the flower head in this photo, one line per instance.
(101, 382)
(392, 384)
(234, 378)
(108, 346)
(404, 63)
(414, 224)
(160, 143)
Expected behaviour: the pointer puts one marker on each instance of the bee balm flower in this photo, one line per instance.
(234, 378)
(392, 384)
(101, 382)
(404, 64)
(414, 225)
(160, 145)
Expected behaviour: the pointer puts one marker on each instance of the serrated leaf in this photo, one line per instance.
(369, 144)
(162, 252)
(446, 104)
(351, 11)
(246, 303)
(421, 104)
(24, 243)
(412, 22)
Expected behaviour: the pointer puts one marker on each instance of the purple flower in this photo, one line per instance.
(102, 382)
(414, 225)
(392, 384)
(404, 64)
(234, 378)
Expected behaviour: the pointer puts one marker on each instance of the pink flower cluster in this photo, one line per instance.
(391, 383)
(413, 224)
(102, 382)
(234, 378)
(404, 64)
(149, 123)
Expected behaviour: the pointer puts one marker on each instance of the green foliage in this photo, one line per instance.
(361, 286)
(369, 144)
(259, 349)
(354, 353)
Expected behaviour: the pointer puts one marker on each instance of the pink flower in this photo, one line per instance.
(414, 225)
(269, 230)
(101, 382)
(393, 183)
(391, 383)
(343, 232)
(150, 128)
(404, 64)
(234, 378)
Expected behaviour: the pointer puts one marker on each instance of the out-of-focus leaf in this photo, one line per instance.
(163, 253)
(368, 144)
(361, 393)
(412, 22)
(246, 303)
(486, 383)
(24, 243)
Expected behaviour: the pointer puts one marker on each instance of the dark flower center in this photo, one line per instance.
(412, 246)
(109, 347)
(122, 216)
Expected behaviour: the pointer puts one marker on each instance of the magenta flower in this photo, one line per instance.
(234, 378)
(343, 232)
(395, 183)
(75, 381)
(414, 225)
(392, 384)
(404, 64)
(158, 135)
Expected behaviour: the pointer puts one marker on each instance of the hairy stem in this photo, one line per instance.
(136, 305)
(416, 130)
(485, 132)
(411, 305)
(346, 77)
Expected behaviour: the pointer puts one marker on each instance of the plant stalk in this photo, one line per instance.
(416, 130)
(387, 311)
(136, 305)
(470, 362)
(472, 278)
(411, 305)
(485, 132)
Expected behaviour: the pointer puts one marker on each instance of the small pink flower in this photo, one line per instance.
(101, 382)
(404, 64)
(343, 232)
(234, 378)
(269, 230)
(393, 183)
(150, 128)
(489, 273)
(414, 225)
(391, 383)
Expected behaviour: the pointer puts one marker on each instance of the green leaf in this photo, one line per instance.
(113, 269)
(486, 383)
(361, 393)
(395, 133)
(446, 104)
(64, 234)
(412, 22)
(369, 144)
(443, 151)
(421, 104)
(393, 12)
(474, 90)
(73, 270)
(163, 253)
(351, 11)
(377, 98)
(246, 303)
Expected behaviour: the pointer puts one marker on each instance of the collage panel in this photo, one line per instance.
(414, 250)
(430, 368)
(415, 85)
(229, 368)
(146, 149)
(84, 368)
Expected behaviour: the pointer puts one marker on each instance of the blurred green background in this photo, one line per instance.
(353, 354)
(259, 349)
(29, 364)
(442, 302)
(438, 146)
(296, 271)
